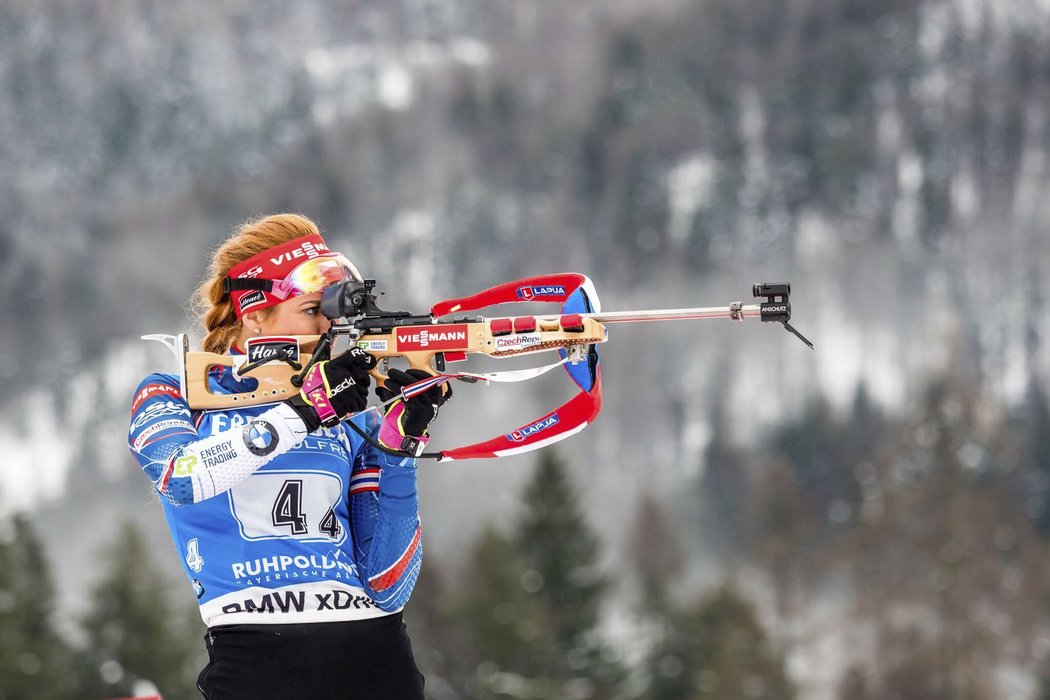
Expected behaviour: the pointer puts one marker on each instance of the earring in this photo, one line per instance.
(257, 331)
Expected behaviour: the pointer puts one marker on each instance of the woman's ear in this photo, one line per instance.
(253, 322)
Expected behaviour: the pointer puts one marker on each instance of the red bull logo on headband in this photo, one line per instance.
(522, 434)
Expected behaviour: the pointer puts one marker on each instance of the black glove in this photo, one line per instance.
(419, 410)
(333, 389)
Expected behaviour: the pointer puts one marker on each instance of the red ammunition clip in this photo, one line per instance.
(572, 323)
(524, 324)
(500, 326)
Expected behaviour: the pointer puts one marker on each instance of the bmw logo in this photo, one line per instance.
(260, 437)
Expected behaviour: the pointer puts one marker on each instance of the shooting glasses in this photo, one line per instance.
(311, 276)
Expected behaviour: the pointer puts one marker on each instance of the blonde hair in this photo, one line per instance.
(214, 307)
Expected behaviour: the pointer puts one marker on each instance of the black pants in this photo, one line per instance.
(356, 660)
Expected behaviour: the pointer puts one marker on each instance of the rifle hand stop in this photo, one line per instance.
(777, 307)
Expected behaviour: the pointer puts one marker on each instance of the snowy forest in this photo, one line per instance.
(748, 518)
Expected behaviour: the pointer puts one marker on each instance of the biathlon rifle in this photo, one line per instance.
(432, 341)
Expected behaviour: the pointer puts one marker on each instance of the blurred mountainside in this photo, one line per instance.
(888, 159)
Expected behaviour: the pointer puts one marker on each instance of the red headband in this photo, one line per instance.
(272, 264)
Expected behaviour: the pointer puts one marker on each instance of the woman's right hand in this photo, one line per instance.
(333, 389)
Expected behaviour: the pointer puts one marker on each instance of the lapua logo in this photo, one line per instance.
(271, 347)
(533, 292)
(523, 434)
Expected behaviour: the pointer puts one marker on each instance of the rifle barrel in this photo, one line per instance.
(749, 311)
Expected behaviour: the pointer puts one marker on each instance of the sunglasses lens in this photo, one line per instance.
(319, 273)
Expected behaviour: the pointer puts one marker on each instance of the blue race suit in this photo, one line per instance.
(274, 525)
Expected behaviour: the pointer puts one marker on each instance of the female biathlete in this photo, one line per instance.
(301, 541)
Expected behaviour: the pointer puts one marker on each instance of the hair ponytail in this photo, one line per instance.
(213, 306)
(220, 322)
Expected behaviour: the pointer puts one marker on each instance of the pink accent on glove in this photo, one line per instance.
(316, 392)
(390, 433)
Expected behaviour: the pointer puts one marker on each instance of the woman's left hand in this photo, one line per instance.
(419, 411)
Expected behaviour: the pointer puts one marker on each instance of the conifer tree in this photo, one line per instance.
(854, 685)
(556, 543)
(34, 659)
(1034, 458)
(135, 632)
(504, 615)
(717, 648)
(535, 598)
(815, 446)
(725, 491)
(654, 553)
